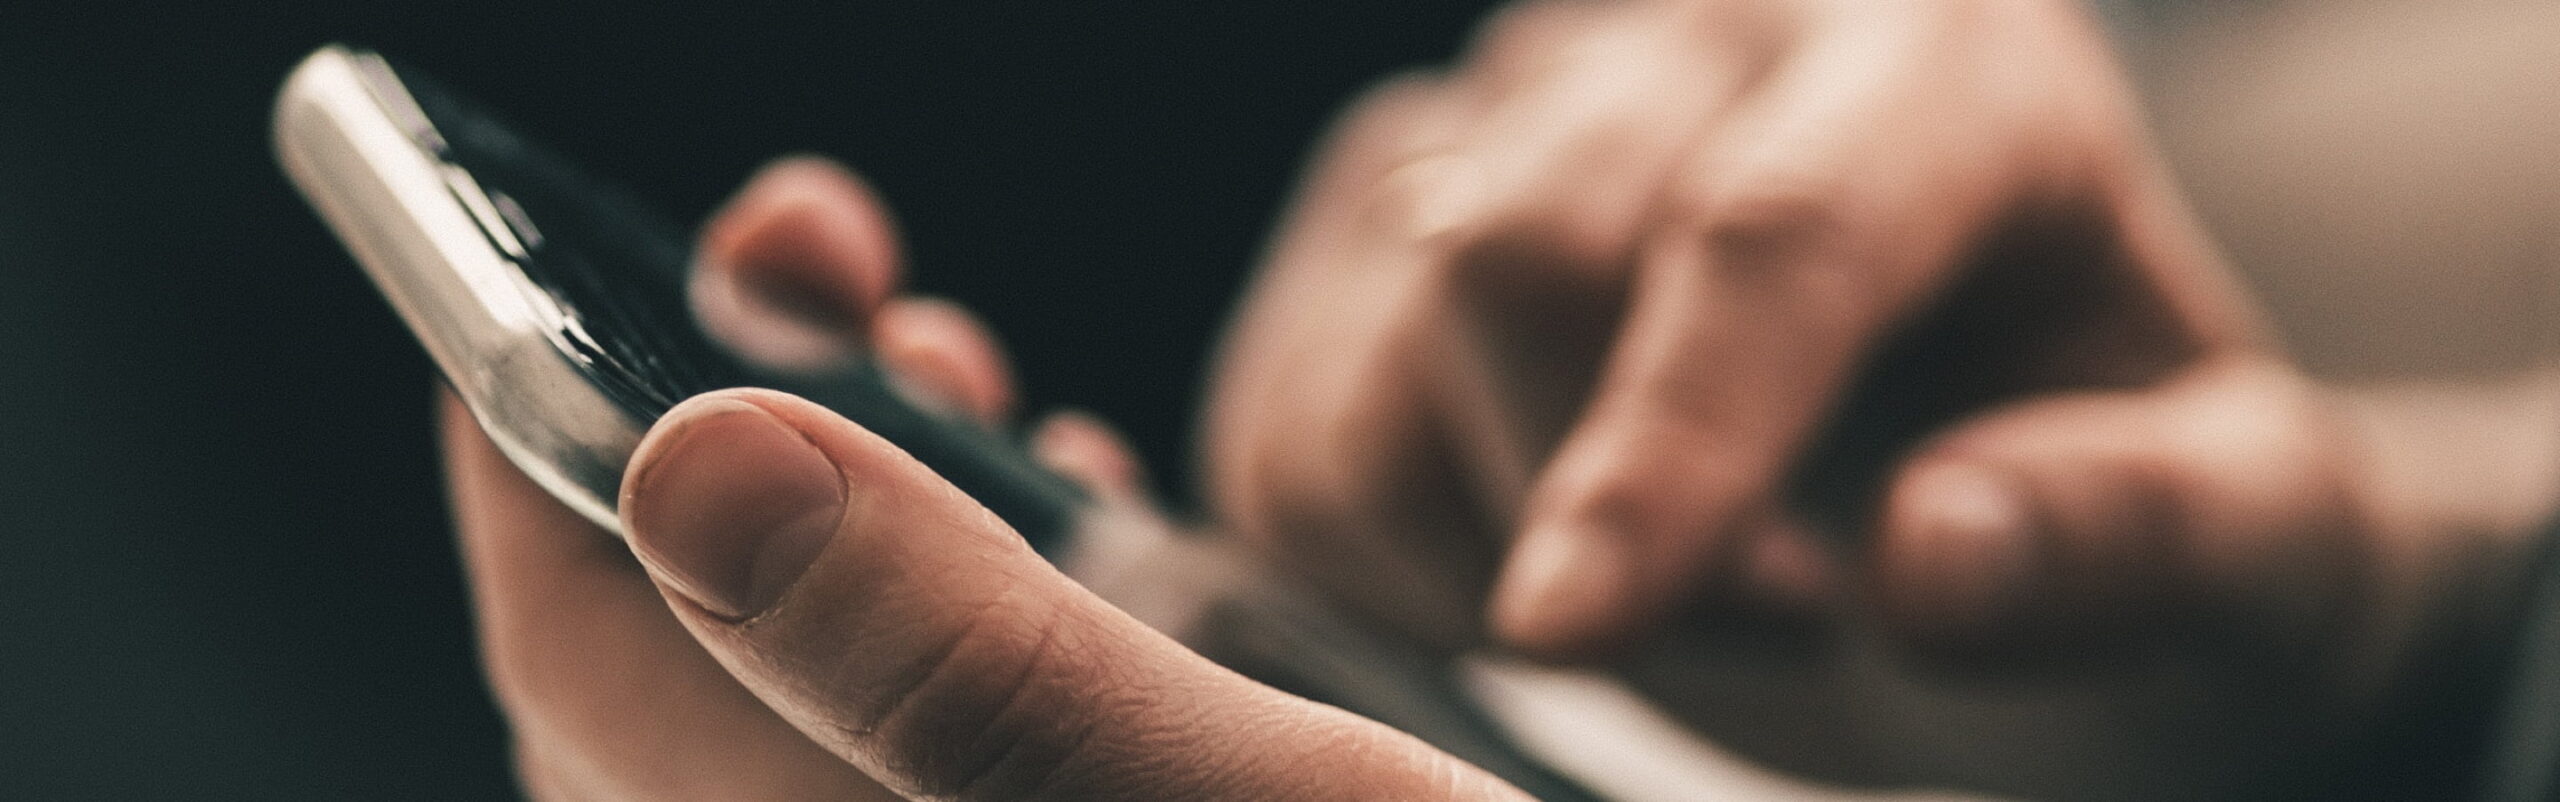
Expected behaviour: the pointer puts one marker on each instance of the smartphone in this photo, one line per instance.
(554, 305)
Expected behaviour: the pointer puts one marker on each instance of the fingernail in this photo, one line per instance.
(1558, 585)
(731, 506)
(1969, 549)
(779, 327)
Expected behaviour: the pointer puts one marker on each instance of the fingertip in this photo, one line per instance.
(781, 329)
(792, 269)
(810, 219)
(1086, 449)
(1431, 201)
(1957, 552)
(1564, 592)
(1787, 571)
(810, 182)
(948, 354)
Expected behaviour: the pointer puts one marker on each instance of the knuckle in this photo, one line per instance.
(2271, 416)
(1429, 199)
(1769, 214)
(996, 714)
(2257, 410)
(1389, 123)
(1790, 229)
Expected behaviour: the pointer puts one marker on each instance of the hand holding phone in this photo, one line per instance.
(845, 575)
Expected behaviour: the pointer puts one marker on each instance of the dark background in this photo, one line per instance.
(224, 564)
(225, 570)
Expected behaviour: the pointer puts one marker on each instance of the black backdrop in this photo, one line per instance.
(224, 570)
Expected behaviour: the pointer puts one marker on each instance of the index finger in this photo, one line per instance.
(1822, 210)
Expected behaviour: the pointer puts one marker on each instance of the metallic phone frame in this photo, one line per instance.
(358, 147)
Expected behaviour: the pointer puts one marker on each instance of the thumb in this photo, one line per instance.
(2098, 516)
(900, 625)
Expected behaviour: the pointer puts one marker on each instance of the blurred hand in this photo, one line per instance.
(813, 614)
(1815, 362)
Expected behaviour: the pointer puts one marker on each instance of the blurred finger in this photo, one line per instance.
(793, 269)
(1826, 207)
(944, 351)
(1312, 386)
(1089, 451)
(2094, 515)
(1582, 109)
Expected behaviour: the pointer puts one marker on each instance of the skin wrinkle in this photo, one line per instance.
(1082, 752)
(1168, 755)
(1191, 749)
(933, 663)
(1178, 767)
(1000, 765)
(984, 613)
